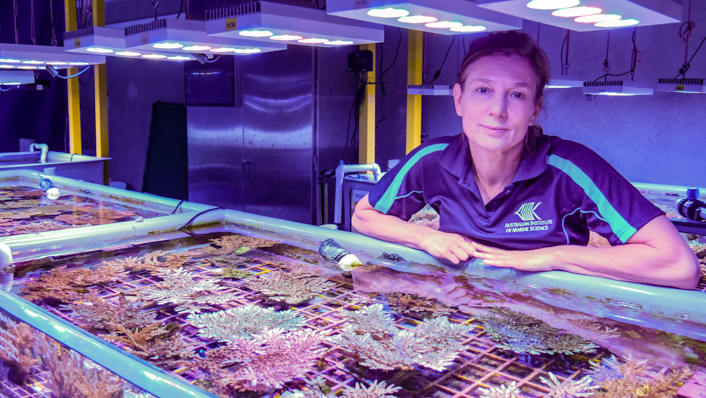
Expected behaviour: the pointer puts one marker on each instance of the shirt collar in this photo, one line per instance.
(456, 159)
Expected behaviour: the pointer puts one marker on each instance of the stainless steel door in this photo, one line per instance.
(278, 114)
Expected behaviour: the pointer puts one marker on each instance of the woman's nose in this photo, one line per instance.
(498, 106)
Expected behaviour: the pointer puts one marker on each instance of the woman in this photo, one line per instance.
(516, 198)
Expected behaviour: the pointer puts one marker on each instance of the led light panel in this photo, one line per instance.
(111, 42)
(428, 89)
(16, 77)
(447, 17)
(617, 88)
(273, 22)
(696, 86)
(29, 57)
(189, 36)
(628, 12)
(565, 81)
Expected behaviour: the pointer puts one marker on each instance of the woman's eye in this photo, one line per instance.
(482, 90)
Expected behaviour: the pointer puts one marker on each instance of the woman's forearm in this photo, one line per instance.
(632, 262)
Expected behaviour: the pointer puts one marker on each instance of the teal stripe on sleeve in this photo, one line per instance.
(621, 228)
(388, 198)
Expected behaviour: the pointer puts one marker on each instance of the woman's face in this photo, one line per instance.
(497, 102)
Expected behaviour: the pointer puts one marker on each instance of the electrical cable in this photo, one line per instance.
(32, 29)
(561, 52)
(87, 80)
(198, 215)
(17, 31)
(634, 60)
(70, 76)
(177, 206)
(381, 82)
(685, 31)
(438, 72)
(5, 89)
(53, 40)
(180, 8)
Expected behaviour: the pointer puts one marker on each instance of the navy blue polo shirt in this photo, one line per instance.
(556, 197)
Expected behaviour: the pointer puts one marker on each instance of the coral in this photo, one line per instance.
(375, 390)
(637, 378)
(20, 204)
(41, 226)
(523, 334)
(416, 306)
(244, 322)
(506, 391)
(71, 375)
(65, 285)
(160, 344)
(93, 313)
(427, 217)
(187, 293)
(16, 342)
(371, 335)
(569, 388)
(228, 244)
(294, 287)
(232, 272)
(267, 361)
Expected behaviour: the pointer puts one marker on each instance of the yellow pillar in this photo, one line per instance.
(101, 93)
(72, 86)
(366, 144)
(414, 102)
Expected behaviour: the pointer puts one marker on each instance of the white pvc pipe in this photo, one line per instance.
(341, 171)
(43, 147)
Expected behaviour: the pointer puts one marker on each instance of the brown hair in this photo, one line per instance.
(511, 43)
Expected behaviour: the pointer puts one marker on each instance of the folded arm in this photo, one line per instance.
(369, 221)
(655, 254)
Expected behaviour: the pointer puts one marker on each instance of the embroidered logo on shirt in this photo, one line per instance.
(526, 211)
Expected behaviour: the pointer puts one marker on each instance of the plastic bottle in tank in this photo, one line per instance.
(334, 253)
(51, 191)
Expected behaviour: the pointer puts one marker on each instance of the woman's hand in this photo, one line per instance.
(524, 260)
(452, 247)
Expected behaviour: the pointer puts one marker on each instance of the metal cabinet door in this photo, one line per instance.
(278, 115)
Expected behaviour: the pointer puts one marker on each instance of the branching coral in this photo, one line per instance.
(569, 388)
(160, 344)
(416, 306)
(294, 287)
(65, 285)
(371, 335)
(506, 391)
(16, 342)
(71, 375)
(230, 243)
(189, 294)
(244, 322)
(637, 378)
(524, 334)
(93, 313)
(265, 362)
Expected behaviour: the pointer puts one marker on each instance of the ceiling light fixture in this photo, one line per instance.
(16, 77)
(574, 12)
(182, 35)
(447, 17)
(634, 12)
(692, 86)
(552, 4)
(428, 89)
(264, 20)
(565, 81)
(26, 56)
(108, 41)
(617, 88)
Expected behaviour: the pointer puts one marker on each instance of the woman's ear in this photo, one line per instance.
(458, 92)
(537, 109)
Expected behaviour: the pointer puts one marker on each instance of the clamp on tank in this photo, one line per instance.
(691, 207)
